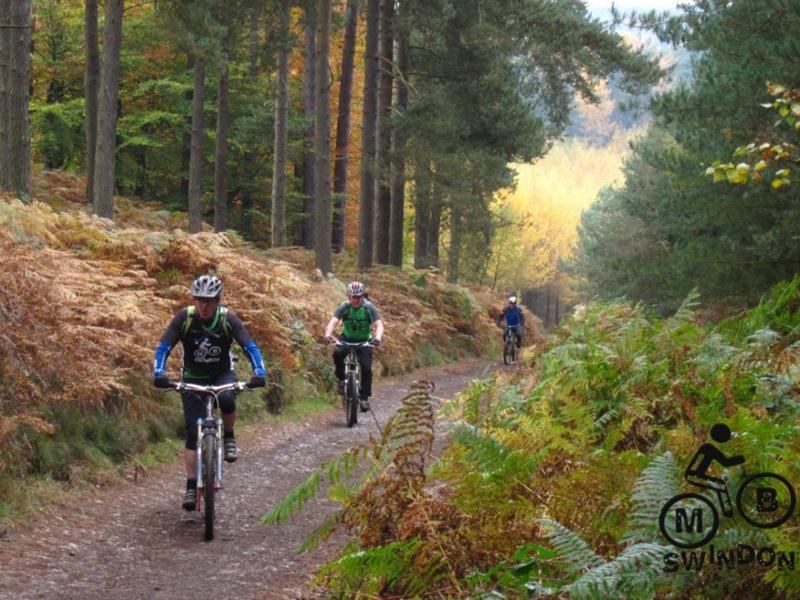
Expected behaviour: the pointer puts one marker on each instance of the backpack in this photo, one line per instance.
(223, 314)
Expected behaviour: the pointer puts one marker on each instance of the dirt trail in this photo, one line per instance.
(135, 542)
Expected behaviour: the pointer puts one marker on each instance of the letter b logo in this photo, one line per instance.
(766, 499)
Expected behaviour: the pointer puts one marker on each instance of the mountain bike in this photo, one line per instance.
(209, 447)
(510, 347)
(352, 380)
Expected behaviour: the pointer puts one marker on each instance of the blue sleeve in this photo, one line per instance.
(160, 362)
(256, 362)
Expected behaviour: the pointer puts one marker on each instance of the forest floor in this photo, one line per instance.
(134, 541)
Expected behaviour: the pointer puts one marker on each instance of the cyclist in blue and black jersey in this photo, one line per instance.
(207, 331)
(362, 323)
(514, 318)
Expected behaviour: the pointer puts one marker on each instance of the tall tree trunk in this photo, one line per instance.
(309, 164)
(343, 125)
(281, 133)
(196, 160)
(399, 159)
(323, 147)
(186, 138)
(223, 119)
(422, 213)
(370, 107)
(249, 159)
(107, 110)
(432, 251)
(454, 253)
(90, 79)
(15, 143)
(383, 181)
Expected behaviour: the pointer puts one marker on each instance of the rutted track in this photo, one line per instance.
(135, 542)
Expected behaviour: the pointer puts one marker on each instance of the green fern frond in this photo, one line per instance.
(633, 574)
(371, 570)
(686, 311)
(571, 549)
(321, 533)
(657, 484)
(338, 469)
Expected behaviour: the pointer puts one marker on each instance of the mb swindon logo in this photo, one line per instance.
(690, 521)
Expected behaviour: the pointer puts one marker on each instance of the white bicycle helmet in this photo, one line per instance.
(356, 288)
(206, 286)
(512, 299)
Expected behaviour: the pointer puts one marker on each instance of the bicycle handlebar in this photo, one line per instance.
(238, 386)
(354, 344)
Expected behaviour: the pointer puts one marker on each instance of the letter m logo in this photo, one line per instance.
(685, 523)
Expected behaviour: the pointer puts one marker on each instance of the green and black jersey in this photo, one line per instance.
(206, 345)
(357, 321)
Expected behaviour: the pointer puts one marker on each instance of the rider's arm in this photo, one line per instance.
(331, 326)
(242, 336)
(337, 317)
(171, 336)
(502, 316)
(377, 328)
(521, 316)
(377, 321)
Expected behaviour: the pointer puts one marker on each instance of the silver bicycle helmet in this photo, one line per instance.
(206, 286)
(356, 288)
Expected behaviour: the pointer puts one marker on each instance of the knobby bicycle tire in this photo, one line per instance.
(352, 399)
(209, 478)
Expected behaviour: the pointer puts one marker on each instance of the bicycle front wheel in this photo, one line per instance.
(507, 352)
(209, 479)
(352, 399)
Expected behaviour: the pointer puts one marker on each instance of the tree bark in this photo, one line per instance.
(454, 254)
(15, 142)
(323, 146)
(223, 120)
(432, 250)
(396, 225)
(281, 133)
(196, 160)
(422, 214)
(107, 110)
(370, 106)
(90, 79)
(249, 159)
(309, 162)
(343, 125)
(383, 190)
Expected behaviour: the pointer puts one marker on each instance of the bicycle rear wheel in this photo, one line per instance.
(209, 478)
(352, 399)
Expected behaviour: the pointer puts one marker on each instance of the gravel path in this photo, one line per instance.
(133, 541)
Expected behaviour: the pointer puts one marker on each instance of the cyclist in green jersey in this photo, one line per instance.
(361, 323)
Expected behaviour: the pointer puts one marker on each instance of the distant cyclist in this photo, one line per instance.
(514, 318)
(362, 323)
(207, 331)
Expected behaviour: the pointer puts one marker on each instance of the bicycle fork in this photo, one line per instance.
(217, 483)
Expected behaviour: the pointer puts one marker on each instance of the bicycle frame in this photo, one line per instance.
(352, 368)
(210, 425)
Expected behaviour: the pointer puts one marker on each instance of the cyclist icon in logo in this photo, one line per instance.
(750, 500)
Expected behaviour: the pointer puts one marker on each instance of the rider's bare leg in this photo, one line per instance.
(189, 458)
(228, 421)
